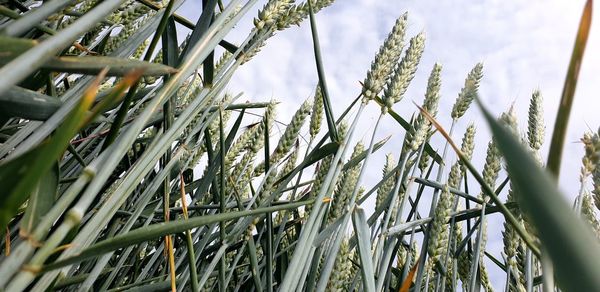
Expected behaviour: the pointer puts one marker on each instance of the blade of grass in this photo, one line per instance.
(325, 234)
(568, 93)
(35, 163)
(157, 230)
(201, 28)
(33, 17)
(313, 157)
(92, 65)
(89, 65)
(118, 121)
(27, 104)
(407, 127)
(409, 279)
(115, 95)
(573, 249)
(333, 134)
(170, 47)
(14, 15)
(41, 201)
(485, 187)
(27, 63)
(222, 198)
(208, 67)
(360, 157)
(205, 181)
(12, 47)
(364, 248)
(189, 240)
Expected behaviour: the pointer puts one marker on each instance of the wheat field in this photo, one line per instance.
(126, 164)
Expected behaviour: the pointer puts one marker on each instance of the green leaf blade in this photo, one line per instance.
(568, 93)
(574, 251)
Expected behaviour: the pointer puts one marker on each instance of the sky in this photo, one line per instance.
(524, 45)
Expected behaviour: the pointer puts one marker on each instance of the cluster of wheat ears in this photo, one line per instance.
(126, 166)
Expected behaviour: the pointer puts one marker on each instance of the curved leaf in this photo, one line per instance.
(568, 93)
(574, 251)
(27, 104)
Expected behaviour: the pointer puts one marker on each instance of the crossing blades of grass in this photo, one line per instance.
(11, 48)
(34, 164)
(157, 230)
(407, 127)
(485, 187)
(33, 17)
(574, 251)
(22, 66)
(313, 157)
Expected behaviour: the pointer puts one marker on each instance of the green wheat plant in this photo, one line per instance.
(126, 165)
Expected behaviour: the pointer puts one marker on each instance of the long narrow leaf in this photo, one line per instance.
(22, 66)
(41, 200)
(32, 165)
(92, 65)
(333, 134)
(574, 251)
(364, 248)
(568, 93)
(27, 104)
(157, 230)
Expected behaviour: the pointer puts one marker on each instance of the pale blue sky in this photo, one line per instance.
(524, 45)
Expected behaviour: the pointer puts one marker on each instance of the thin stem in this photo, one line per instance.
(222, 263)
(326, 271)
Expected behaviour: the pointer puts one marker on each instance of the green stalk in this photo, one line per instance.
(477, 252)
(269, 217)
(28, 62)
(14, 15)
(307, 234)
(387, 255)
(333, 134)
(222, 264)
(173, 132)
(423, 256)
(326, 271)
(487, 190)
